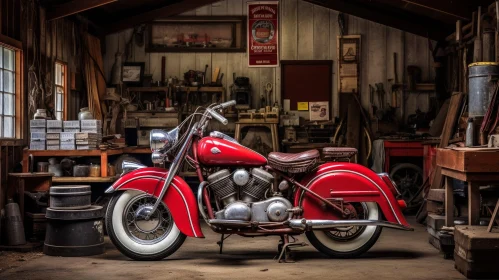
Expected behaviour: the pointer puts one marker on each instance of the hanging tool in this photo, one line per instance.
(268, 92)
(396, 85)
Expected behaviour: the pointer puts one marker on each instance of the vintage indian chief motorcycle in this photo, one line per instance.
(341, 207)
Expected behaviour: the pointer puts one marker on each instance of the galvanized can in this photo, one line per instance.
(482, 82)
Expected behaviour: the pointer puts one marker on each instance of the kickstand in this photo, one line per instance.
(221, 242)
(284, 248)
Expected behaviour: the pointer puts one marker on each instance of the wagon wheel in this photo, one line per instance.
(409, 178)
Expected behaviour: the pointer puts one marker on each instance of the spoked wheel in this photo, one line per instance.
(352, 241)
(409, 178)
(136, 236)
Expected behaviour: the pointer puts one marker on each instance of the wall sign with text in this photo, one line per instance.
(263, 40)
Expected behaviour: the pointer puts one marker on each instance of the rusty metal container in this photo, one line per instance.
(482, 82)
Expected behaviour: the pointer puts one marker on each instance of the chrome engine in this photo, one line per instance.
(242, 195)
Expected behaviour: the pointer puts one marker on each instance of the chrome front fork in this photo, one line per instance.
(176, 163)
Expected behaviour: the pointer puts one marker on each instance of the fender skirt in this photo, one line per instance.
(179, 197)
(347, 182)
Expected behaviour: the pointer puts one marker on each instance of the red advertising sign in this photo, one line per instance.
(263, 40)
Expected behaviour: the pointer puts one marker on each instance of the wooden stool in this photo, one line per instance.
(494, 217)
(32, 182)
(272, 126)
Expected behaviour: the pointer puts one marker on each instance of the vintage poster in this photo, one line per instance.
(319, 111)
(263, 21)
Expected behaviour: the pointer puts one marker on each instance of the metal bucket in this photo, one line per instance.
(70, 197)
(74, 233)
(14, 225)
(482, 82)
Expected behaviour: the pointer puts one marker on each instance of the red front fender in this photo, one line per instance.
(352, 183)
(179, 197)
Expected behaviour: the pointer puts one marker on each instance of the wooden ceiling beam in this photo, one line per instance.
(160, 13)
(74, 7)
(400, 19)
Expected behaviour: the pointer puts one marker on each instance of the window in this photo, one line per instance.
(60, 90)
(8, 90)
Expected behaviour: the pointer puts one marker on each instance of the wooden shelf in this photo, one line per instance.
(148, 89)
(73, 153)
(137, 150)
(83, 179)
(203, 89)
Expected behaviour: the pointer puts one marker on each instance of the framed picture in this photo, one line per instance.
(197, 34)
(133, 73)
(319, 111)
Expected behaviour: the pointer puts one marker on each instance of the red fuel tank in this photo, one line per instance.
(217, 151)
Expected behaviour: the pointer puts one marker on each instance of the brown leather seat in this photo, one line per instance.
(339, 152)
(294, 163)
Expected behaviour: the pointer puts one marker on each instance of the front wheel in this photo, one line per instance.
(349, 242)
(135, 236)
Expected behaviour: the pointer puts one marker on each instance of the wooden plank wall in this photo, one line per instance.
(308, 32)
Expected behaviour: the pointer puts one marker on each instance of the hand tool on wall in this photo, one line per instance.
(216, 72)
(268, 92)
(396, 85)
(205, 72)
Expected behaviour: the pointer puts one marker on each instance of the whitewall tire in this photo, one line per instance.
(348, 247)
(153, 239)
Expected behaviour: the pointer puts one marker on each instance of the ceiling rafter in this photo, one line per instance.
(74, 7)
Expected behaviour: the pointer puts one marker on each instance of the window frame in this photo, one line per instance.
(64, 86)
(16, 46)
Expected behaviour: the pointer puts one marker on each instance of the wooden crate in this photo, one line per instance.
(476, 252)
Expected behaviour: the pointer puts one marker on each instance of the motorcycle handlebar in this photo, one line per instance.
(226, 104)
(217, 116)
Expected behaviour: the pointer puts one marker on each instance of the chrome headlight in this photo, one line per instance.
(163, 140)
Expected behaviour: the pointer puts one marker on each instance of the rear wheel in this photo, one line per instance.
(349, 242)
(137, 237)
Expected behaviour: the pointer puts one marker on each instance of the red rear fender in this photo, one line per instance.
(352, 183)
(179, 197)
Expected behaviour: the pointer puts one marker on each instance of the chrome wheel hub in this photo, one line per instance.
(351, 232)
(143, 226)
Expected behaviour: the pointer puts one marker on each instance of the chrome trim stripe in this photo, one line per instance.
(181, 194)
(357, 173)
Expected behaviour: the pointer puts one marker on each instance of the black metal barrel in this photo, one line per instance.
(482, 82)
(70, 197)
(74, 233)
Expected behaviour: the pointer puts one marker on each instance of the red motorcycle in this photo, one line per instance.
(341, 207)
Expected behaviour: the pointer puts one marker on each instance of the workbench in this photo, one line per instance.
(476, 166)
(401, 148)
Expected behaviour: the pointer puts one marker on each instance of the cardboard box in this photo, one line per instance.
(54, 124)
(38, 123)
(71, 124)
(37, 145)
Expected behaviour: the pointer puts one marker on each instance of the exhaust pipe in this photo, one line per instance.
(331, 224)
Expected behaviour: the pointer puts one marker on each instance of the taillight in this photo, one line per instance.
(390, 183)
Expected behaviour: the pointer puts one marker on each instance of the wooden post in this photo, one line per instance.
(477, 50)
(103, 163)
(473, 204)
(449, 202)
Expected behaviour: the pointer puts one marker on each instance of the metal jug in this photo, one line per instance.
(14, 227)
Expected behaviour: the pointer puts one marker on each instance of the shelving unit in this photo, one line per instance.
(103, 154)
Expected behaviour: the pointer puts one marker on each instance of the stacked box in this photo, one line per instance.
(87, 141)
(38, 125)
(92, 126)
(54, 126)
(53, 141)
(38, 141)
(476, 252)
(67, 140)
(71, 126)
